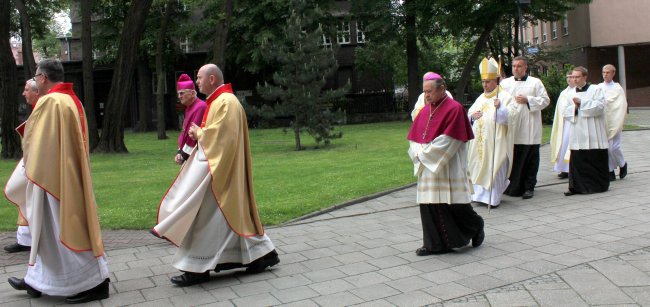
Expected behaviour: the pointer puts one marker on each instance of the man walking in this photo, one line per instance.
(67, 255)
(530, 92)
(209, 212)
(615, 112)
(437, 147)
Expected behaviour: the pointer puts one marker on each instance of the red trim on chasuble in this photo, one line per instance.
(226, 88)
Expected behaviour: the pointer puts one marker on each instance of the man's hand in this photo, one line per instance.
(192, 132)
(497, 103)
(521, 99)
(179, 159)
(476, 115)
(577, 101)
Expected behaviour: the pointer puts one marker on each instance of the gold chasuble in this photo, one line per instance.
(224, 139)
(55, 153)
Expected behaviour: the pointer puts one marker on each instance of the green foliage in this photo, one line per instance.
(554, 82)
(303, 65)
(47, 43)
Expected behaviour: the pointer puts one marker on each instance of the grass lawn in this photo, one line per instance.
(369, 158)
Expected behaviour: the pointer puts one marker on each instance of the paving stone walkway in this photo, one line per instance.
(552, 250)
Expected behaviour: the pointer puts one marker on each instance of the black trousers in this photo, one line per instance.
(525, 164)
(589, 171)
(448, 226)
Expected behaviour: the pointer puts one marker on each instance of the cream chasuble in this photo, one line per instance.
(560, 126)
(616, 108)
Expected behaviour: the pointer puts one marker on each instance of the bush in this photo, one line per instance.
(555, 83)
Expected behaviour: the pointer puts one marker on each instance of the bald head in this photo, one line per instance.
(209, 78)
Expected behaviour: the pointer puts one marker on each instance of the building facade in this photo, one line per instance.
(599, 33)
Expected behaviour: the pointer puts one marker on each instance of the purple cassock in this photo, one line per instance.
(193, 114)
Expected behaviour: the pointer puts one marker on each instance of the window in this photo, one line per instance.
(554, 30)
(535, 41)
(544, 33)
(185, 45)
(565, 26)
(327, 42)
(361, 35)
(343, 32)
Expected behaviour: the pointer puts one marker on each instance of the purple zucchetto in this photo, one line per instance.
(431, 76)
(184, 83)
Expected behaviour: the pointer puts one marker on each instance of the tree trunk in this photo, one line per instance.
(144, 96)
(29, 65)
(296, 134)
(413, 76)
(112, 138)
(459, 93)
(8, 91)
(221, 36)
(87, 68)
(160, 70)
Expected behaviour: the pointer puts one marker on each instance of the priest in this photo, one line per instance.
(209, 212)
(615, 112)
(437, 148)
(490, 152)
(588, 170)
(531, 93)
(561, 131)
(23, 237)
(194, 109)
(67, 255)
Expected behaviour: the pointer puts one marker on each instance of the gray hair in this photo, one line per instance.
(32, 85)
(52, 68)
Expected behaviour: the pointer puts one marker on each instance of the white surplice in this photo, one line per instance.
(209, 240)
(529, 123)
(588, 122)
(441, 168)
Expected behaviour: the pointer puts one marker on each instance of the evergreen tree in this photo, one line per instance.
(304, 63)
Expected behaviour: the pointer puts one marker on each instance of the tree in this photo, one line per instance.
(87, 68)
(8, 90)
(160, 69)
(112, 138)
(221, 35)
(298, 84)
(29, 65)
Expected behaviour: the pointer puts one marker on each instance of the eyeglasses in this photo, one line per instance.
(181, 93)
(36, 75)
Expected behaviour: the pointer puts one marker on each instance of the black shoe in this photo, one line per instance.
(189, 279)
(260, 264)
(423, 251)
(612, 176)
(569, 193)
(528, 194)
(623, 171)
(477, 240)
(14, 248)
(99, 292)
(563, 175)
(20, 284)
